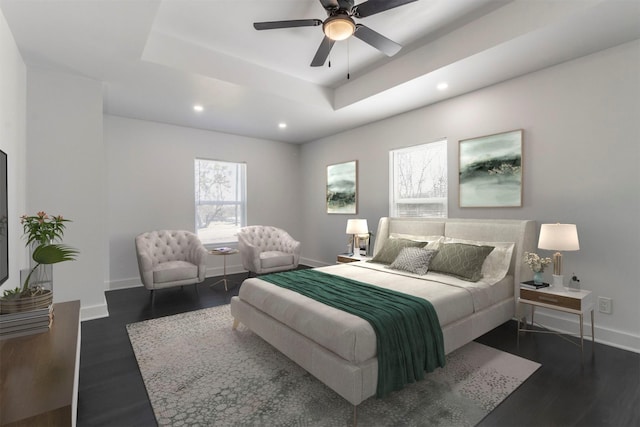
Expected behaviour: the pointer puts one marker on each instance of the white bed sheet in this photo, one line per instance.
(484, 292)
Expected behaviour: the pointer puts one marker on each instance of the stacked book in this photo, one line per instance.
(530, 284)
(23, 323)
(223, 250)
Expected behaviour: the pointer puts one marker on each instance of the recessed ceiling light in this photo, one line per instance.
(442, 86)
(198, 108)
(282, 125)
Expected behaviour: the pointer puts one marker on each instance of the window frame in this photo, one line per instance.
(395, 200)
(240, 186)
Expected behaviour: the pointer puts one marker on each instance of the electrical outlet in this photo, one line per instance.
(604, 305)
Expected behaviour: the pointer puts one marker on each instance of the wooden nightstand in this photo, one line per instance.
(345, 258)
(573, 302)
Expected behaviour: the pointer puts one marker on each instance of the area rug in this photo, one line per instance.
(198, 371)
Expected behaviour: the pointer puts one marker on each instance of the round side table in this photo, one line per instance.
(224, 252)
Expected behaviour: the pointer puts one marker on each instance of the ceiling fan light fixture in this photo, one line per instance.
(338, 27)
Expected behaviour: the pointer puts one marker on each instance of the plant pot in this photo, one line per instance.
(16, 305)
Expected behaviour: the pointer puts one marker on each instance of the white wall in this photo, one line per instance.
(13, 92)
(66, 176)
(151, 185)
(581, 155)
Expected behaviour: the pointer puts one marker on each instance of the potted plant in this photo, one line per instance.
(537, 265)
(43, 235)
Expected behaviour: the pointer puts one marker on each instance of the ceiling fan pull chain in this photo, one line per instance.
(348, 74)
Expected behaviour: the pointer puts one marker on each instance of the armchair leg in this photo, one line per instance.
(195, 285)
(153, 297)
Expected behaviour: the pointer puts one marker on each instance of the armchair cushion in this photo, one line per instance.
(171, 271)
(273, 259)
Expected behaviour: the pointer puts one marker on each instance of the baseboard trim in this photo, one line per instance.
(312, 262)
(611, 337)
(134, 282)
(123, 283)
(219, 271)
(94, 312)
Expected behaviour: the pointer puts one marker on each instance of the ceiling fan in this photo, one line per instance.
(340, 25)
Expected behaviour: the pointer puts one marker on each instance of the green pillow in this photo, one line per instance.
(460, 260)
(392, 248)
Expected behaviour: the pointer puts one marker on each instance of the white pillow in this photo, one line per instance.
(496, 265)
(434, 241)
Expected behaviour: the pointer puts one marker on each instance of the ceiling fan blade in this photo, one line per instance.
(346, 4)
(333, 5)
(286, 24)
(323, 52)
(372, 7)
(329, 4)
(377, 40)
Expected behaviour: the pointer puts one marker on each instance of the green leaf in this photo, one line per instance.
(54, 253)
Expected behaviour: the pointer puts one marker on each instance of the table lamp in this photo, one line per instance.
(354, 228)
(558, 237)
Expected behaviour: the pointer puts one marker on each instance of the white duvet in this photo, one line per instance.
(352, 337)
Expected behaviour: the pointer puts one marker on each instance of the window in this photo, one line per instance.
(418, 181)
(221, 200)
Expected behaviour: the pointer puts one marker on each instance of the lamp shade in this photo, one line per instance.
(357, 226)
(559, 237)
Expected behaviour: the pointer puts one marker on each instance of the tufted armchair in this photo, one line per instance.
(169, 258)
(266, 249)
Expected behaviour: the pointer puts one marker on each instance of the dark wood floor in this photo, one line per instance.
(603, 390)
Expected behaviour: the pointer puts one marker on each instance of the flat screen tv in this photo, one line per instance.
(4, 224)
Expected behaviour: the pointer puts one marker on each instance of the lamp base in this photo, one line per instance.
(558, 282)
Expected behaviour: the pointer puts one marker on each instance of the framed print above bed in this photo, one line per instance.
(490, 173)
(342, 188)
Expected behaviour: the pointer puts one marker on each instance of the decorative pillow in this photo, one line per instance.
(431, 241)
(496, 266)
(460, 260)
(413, 260)
(392, 248)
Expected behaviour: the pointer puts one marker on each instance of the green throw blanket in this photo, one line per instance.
(409, 337)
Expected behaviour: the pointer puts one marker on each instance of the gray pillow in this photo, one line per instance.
(392, 248)
(413, 260)
(460, 260)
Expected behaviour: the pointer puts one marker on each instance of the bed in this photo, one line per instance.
(339, 348)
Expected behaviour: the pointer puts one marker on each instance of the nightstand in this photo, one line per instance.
(345, 258)
(573, 302)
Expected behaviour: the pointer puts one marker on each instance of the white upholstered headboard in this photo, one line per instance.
(521, 232)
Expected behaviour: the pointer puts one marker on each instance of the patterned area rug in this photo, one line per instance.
(198, 371)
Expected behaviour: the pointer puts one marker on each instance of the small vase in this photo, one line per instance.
(537, 277)
(42, 277)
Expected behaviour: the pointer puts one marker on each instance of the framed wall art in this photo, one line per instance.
(490, 173)
(342, 188)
